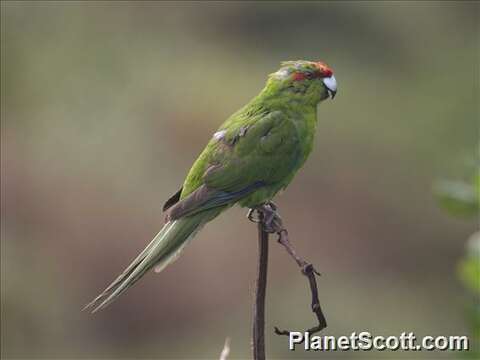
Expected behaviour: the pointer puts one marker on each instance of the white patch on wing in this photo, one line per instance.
(219, 135)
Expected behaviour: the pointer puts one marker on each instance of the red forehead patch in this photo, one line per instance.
(324, 69)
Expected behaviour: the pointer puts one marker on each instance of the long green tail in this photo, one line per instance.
(160, 252)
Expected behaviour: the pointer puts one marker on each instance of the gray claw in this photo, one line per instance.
(251, 216)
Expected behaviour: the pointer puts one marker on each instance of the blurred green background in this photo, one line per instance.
(105, 105)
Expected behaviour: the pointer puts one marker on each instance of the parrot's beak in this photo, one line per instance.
(331, 85)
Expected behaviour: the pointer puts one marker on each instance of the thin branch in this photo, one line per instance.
(268, 221)
(260, 292)
(309, 271)
(226, 350)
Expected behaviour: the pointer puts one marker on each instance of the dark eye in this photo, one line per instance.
(309, 75)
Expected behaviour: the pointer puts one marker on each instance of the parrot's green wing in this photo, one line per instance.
(266, 150)
(249, 154)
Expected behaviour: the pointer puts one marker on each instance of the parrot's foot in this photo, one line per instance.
(267, 215)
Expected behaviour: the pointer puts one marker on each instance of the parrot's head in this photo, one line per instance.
(312, 81)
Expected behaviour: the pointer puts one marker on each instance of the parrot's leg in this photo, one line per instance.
(272, 205)
(268, 215)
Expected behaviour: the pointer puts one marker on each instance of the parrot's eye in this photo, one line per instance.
(309, 75)
(302, 75)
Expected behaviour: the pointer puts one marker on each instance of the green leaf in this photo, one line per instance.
(469, 267)
(457, 197)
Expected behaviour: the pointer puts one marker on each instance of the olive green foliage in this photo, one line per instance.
(462, 198)
(469, 274)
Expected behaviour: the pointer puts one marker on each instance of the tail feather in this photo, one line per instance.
(163, 263)
(159, 253)
(128, 270)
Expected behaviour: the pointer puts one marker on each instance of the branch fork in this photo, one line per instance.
(270, 222)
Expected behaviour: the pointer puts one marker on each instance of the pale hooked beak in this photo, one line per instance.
(331, 85)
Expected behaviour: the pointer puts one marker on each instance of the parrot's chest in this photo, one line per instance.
(305, 127)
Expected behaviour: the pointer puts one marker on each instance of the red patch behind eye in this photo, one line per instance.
(299, 76)
(324, 69)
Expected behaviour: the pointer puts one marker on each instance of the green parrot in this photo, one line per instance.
(250, 158)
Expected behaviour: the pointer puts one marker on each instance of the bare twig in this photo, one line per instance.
(226, 350)
(258, 340)
(268, 221)
(309, 271)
